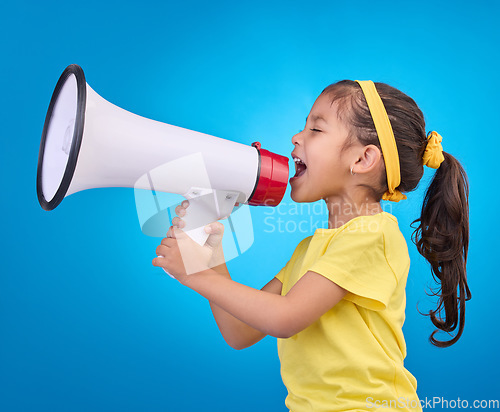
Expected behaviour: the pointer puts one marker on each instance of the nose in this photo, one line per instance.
(296, 138)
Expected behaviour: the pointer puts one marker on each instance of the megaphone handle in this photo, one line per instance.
(198, 235)
(206, 209)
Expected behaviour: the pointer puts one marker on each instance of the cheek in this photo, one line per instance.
(325, 165)
(329, 171)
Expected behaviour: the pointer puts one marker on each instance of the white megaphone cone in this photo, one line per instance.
(88, 142)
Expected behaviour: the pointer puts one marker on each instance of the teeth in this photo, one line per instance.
(297, 160)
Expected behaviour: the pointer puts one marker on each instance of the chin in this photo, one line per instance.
(294, 196)
(300, 199)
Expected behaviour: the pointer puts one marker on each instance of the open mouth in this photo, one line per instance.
(300, 167)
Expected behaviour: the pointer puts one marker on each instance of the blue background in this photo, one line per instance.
(86, 322)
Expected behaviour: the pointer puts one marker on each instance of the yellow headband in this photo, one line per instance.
(386, 138)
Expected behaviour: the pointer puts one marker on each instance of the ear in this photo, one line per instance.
(369, 158)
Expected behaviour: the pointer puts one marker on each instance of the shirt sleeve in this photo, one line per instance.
(281, 274)
(286, 269)
(355, 260)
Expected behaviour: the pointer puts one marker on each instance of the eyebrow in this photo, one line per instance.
(316, 117)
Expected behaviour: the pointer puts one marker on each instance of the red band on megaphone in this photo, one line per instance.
(271, 180)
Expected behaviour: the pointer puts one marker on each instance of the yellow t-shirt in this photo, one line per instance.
(351, 358)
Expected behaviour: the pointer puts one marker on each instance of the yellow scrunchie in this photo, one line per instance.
(433, 155)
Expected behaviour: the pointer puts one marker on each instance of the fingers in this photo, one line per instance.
(168, 242)
(170, 232)
(177, 221)
(179, 234)
(215, 228)
(157, 261)
(163, 250)
(216, 231)
(181, 209)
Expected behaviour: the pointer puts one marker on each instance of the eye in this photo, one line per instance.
(316, 130)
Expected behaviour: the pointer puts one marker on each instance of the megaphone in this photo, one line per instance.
(87, 142)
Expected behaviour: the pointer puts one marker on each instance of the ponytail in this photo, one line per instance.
(442, 237)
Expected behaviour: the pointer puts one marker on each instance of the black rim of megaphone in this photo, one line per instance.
(81, 85)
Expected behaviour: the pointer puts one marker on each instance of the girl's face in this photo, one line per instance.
(325, 169)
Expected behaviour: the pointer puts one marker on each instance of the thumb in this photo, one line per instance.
(216, 232)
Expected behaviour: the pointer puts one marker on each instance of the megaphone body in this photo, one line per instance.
(87, 142)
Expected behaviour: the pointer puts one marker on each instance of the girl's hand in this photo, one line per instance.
(180, 256)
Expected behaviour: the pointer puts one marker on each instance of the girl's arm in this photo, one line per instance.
(245, 315)
(236, 333)
(271, 314)
(263, 310)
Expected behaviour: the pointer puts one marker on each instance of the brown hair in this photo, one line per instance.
(442, 231)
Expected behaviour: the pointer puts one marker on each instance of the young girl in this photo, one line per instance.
(338, 306)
